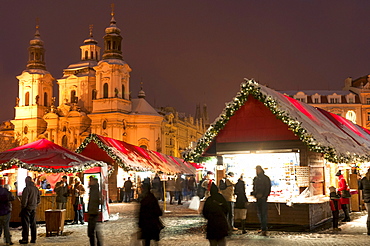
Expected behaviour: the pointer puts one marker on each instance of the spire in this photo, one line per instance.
(112, 40)
(90, 49)
(141, 92)
(36, 51)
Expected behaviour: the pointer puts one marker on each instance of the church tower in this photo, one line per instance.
(34, 94)
(77, 87)
(112, 75)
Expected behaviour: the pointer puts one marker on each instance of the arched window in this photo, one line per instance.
(65, 141)
(108, 45)
(45, 99)
(86, 54)
(73, 96)
(32, 56)
(114, 45)
(27, 99)
(143, 146)
(96, 55)
(123, 91)
(105, 90)
(93, 94)
(92, 54)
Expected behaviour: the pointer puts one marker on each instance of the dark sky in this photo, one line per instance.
(196, 51)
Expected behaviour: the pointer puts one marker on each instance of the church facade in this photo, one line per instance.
(94, 98)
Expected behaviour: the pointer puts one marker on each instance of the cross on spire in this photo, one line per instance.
(112, 6)
(91, 27)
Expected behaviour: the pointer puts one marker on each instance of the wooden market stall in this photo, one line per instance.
(297, 145)
(119, 154)
(42, 158)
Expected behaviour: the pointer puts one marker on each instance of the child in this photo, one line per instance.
(335, 207)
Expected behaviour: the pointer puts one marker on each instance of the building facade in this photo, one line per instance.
(94, 97)
(352, 102)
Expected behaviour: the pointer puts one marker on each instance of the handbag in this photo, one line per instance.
(79, 206)
(345, 194)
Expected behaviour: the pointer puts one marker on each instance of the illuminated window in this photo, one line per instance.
(45, 99)
(105, 90)
(351, 115)
(27, 99)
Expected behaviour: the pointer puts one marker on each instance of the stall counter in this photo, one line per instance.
(48, 201)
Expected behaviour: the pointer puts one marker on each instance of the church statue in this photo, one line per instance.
(17, 101)
(37, 99)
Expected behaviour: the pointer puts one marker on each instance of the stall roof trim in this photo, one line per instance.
(131, 157)
(338, 139)
(46, 156)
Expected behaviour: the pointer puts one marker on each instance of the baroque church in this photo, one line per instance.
(94, 97)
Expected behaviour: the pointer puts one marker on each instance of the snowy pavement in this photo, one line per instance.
(186, 227)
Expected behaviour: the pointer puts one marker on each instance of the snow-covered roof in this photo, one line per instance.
(81, 64)
(141, 107)
(338, 139)
(319, 92)
(113, 61)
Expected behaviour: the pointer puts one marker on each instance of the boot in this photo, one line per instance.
(368, 227)
(243, 227)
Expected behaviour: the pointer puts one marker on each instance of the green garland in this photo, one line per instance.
(93, 137)
(250, 87)
(20, 164)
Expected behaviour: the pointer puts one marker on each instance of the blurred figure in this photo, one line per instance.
(171, 189)
(78, 191)
(127, 193)
(6, 198)
(201, 190)
(95, 201)
(156, 186)
(365, 187)
(207, 183)
(342, 185)
(261, 190)
(179, 185)
(191, 186)
(228, 193)
(335, 206)
(241, 203)
(29, 202)
(61, 189)
(149, 221)
(215, 210)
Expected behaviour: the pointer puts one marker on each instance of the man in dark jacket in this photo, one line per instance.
(365, 187)
(261, 190)
(62, 193)
(93, 210)
(30, 200)
(6, 198)
(127, 193)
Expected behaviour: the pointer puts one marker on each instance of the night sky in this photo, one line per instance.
(196, 51)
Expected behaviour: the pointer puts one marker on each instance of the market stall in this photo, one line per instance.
(127, 160)
(44, 161)
(299, 147)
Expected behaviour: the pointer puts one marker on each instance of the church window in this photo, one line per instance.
(368, 100)
(25, 130)
(92, 55)
(105, 90)
(27, 99)
(96, 55)
(316, 100)
(73, 96)
(144, 146)
(119, 47)
(368, 116)
(93, 94)
(104, 125)
(86, 54)
(37, 55)
(32, 56)
(65, 141)
(123, 91)
(45, 99)
(114, 45)
(108, 45)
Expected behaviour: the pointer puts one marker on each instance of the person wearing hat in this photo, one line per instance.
(228, 193)
(261, 190)
(207, 184)
(335, 206)
(342, 185)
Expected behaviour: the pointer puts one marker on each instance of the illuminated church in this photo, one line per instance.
(94, 97)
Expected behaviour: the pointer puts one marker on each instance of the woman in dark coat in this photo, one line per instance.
(365, 187)
(149, 221)
(240, 207)
(215, 211)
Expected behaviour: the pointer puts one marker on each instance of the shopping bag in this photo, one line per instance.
(346, 194)
(194, 203)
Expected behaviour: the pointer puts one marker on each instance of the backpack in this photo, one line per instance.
(222, 185)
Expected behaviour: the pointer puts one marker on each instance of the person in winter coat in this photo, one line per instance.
(365, 187)
(240, 208)
(30, 201)
(61, 188)
(335, 206)
(179, 186)
(261, 190)
(207, 183)
(127, 193)
(170, 187)
(228, 193)
(6, 199)
(78, 191)
(342, 185)
(95, 200)
(149, 221)
(215, 211)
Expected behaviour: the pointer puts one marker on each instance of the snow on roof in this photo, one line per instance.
(141, 107)
(338, 139)
(81, 64)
